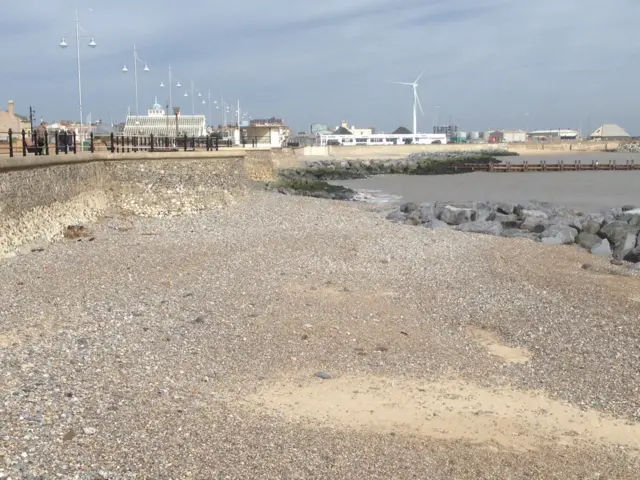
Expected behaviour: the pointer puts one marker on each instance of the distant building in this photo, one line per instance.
(508, 136)
(609, 132)
(159, 123)
(9, 120)
(341, 130)
(319, 128)
(357, 131)
(449, 130)
(553, 135)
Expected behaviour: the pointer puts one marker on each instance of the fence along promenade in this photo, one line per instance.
(22, 144)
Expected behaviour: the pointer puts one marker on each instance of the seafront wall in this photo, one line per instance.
(41, 196)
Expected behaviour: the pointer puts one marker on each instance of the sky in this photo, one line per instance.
(488, 64)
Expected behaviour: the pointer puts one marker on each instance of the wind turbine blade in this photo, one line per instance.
(402, 83)
(420, 76)
(415, 92)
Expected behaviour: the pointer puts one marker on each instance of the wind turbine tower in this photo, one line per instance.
(416, 100)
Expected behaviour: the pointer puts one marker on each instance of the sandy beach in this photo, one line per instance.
(288, 337)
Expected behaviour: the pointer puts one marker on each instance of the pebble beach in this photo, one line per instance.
(286, 337)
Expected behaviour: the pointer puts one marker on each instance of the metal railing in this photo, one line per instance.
(62, 142)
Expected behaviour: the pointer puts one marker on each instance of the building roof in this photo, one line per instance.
(609, 131)
(342, 131)
(402, 131)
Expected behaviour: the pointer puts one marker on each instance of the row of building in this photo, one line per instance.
(160, 123)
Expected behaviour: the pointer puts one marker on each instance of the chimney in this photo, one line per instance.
(12, 108)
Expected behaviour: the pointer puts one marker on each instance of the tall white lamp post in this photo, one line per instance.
(136, 59)
(92, 44)
(177, 85)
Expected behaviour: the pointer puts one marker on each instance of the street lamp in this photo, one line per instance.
(136, 59)
(92, 44)
(170, 87)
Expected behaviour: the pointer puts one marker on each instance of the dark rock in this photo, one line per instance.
(323, 375)
(482, 226)
(456, 216)
(633, 256)
(626, 208)
(588, 240)
(409, 207)
(559, 235)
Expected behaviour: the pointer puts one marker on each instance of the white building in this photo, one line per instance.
(382, 139)
(548, 135)
(161, 124)
(609, 132)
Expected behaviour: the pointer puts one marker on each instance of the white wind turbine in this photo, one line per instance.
(416, 101)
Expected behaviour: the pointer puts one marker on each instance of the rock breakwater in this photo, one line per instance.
(415, 164)
(614, 233)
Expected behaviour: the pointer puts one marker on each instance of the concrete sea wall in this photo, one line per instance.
(41, 196)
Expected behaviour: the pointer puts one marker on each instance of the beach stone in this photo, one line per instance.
(517, 233)
(632, 219)
(588, 240)
(502, 217)
(323, 375)
(603, 249)
(396, 216)
(456, 216)
(482, 226)
(435, 224)
(559, 235)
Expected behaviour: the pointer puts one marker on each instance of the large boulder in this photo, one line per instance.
(505, 208)
(621, 236)
(592, 224)
(533, 223)
(409, 207)
(426, 213)
(457, 216)
(559, 235)
(573, 221)
(481, 226)
(588, 240)
(603, 249)
(631, 218)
